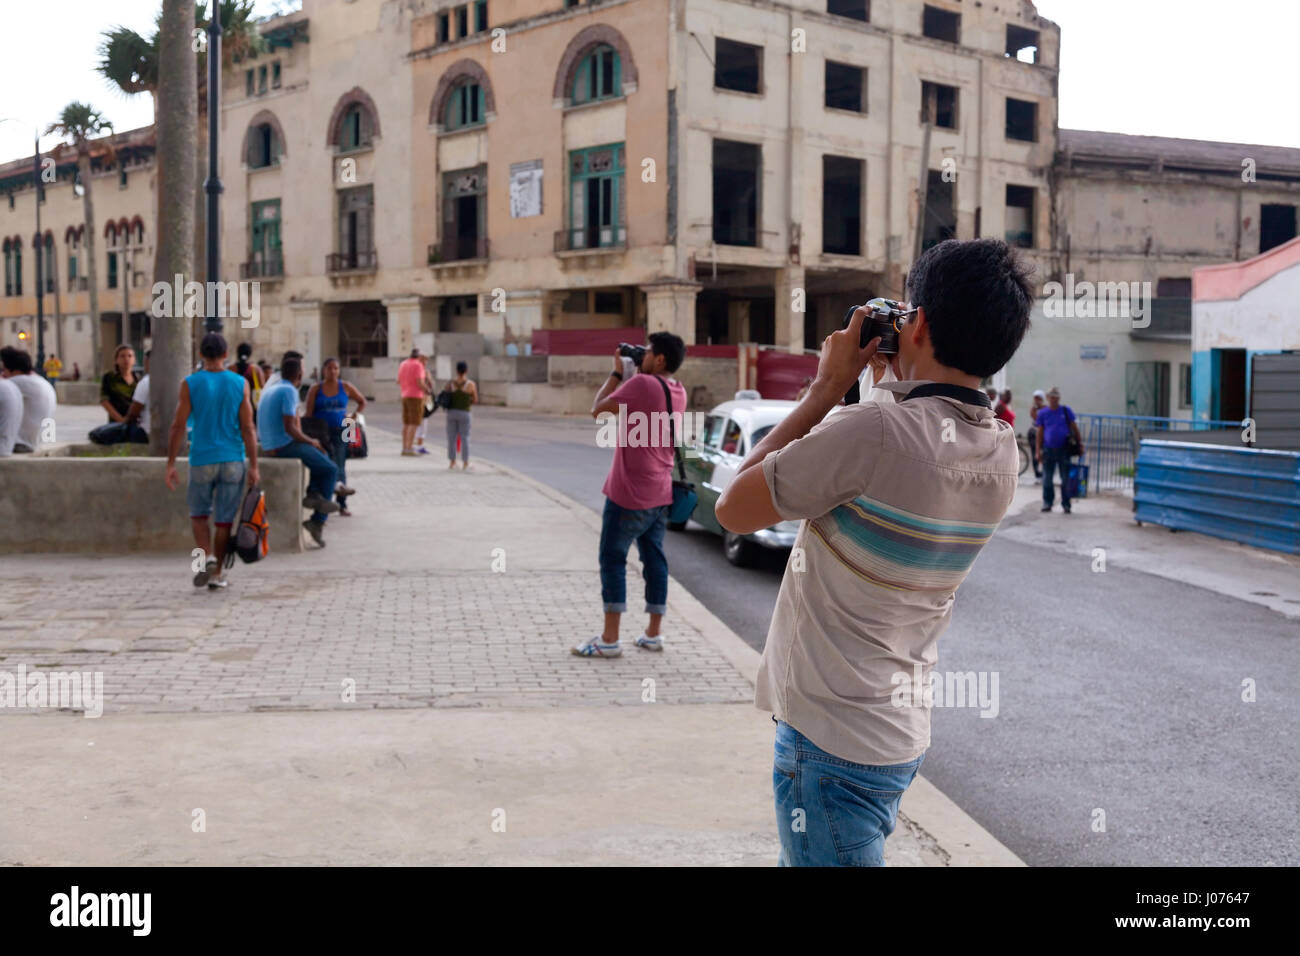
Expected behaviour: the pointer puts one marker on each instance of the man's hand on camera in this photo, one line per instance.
(618, 361)
(842, 360)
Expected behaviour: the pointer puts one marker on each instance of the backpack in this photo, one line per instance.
(253, 539)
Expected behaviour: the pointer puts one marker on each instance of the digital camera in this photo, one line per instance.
(634, 352)
(884, 319)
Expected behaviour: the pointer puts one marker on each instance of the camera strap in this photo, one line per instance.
(968, 396)
(672, 429)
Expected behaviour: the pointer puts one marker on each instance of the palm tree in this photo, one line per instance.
(131, 63)
(176, 119)
(79, 123)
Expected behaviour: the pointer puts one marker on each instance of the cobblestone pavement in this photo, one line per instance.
(285, 638)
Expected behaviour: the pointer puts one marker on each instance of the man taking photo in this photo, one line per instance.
(638, 490)
(897, 499)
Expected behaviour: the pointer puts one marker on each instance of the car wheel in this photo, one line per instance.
(677, 526)
(738, 549)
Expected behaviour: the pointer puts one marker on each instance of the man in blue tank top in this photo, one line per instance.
(217, 404)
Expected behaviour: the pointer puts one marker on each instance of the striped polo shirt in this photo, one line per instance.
(896, 499)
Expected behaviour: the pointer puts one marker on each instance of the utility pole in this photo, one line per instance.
(212, 185)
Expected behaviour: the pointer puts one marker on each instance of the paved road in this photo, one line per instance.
(1118, 692)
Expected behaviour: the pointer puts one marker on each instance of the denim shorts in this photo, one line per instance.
(831, 811)
(216, 490)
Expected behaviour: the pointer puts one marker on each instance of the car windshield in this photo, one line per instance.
(759, 435)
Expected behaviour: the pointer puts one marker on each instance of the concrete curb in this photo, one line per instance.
(935, 821)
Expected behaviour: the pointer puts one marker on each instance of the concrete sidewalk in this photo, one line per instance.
(443, 611)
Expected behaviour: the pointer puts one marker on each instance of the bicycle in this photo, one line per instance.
(1022, 446)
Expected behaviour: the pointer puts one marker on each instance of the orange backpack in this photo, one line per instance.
(253, 539)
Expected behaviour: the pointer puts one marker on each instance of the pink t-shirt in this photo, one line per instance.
(642, 473)
(410, 374)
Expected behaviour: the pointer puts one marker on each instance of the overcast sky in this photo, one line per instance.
(1197, 69)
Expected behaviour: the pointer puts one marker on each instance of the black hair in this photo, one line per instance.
(291, 354)
(328, 360)
(415, 353)
(16, 360)
(148, 352)
(977, 296)
(671, 347)
(462, 367)
(244, 350)
(290, 368)
(213, 346)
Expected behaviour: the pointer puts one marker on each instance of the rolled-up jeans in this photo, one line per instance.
(619, 527)
(831, 811)
(320, 469)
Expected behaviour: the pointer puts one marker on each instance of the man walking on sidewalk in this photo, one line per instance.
(897, 499)
(281, 435)
(1056, 430)
(222, 434)
(638, 490)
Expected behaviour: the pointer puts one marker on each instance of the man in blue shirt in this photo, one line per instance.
(281, 435)
(222, 432)
(1055, 425)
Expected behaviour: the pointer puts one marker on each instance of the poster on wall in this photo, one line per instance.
(526, 189)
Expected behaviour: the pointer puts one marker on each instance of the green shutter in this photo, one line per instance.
(618, 75)
(582, 81)
(480, 115)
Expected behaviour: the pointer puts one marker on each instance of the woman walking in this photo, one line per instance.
(463, 394)
(328, 401)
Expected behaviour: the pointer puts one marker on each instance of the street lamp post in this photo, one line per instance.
(40, 274)
(212, 185)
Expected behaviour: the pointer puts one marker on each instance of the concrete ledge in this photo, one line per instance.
(77, 393)
(118, 505)
(512, 368)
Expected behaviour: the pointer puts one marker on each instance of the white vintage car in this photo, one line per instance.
(731, 430)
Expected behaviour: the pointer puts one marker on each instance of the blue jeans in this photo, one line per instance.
(320, 469)
(339, 455)
(619, 527)
(832, 812)
(1053, 458)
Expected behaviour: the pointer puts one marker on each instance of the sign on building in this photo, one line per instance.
(1092, 351)
(526, 189)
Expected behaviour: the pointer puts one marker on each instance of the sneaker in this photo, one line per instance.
(209, 569)
(217, 584)
(343, 511)
(342, 491)
(314, 528)
(422, 450)
(1066, 509)
(595, 647)
(407, 451)
(317, 503)
(1046, 508)
(647, 643)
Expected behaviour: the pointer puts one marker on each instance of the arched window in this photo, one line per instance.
(137, 228)
(110, 233)
(599, 75)
(263, 147)
(48, 262)
(9, 266)
(465, 107)
(354, 123)
(13, 266)
(124, 232)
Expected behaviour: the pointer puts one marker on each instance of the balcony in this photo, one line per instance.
(459, 256)
(262, 267)
(339, 263)
(590, 248)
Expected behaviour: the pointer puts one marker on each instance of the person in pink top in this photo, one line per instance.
(413, 381)
(639, 488)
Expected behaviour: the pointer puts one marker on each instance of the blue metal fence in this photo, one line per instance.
(1111, 442)
(1243, 494)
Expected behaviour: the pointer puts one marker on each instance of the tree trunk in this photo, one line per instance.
(176, 130)
(92, 267)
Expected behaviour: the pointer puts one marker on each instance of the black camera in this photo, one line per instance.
(635, 352)
(884, 320)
